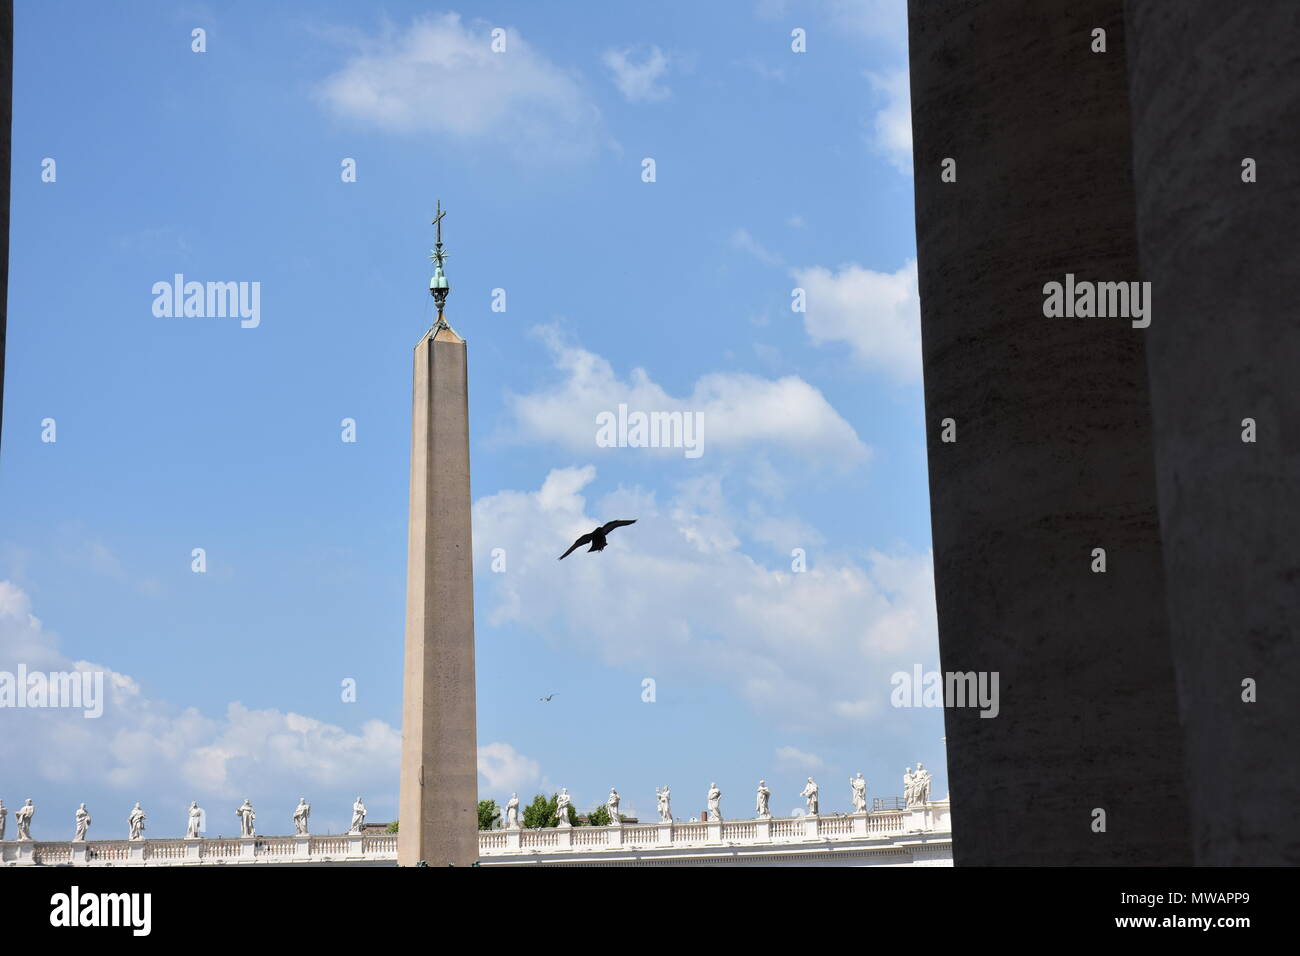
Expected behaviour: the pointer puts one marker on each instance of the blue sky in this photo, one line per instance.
(775, 170)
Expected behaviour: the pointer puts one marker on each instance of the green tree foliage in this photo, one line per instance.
(488, 815)
(392, 827)
(598, 817)
(540, 813)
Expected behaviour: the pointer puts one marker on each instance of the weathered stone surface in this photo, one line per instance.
(1212, 84)
(6, 134)
(1053, 453)
(439, 784)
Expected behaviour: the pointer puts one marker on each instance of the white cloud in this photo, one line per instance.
(791, 758)
(741, 411)
(762, 68)
(877, 313)
(148, 747)
(770, 9)
(639, 82)
(875, 19)
(676, 593)
(891, 127)
(742, 240)
(165, 756)
(505, 770)
(879, 19)
(101, 559)
(782, 532)
(860, 709)
(442, 77)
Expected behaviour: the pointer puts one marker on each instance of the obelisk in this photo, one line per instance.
(439, 786)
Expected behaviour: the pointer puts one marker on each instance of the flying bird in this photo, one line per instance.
(546, 698)
(596, 538)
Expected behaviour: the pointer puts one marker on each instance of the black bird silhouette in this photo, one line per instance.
(546, 698)
(596, 538)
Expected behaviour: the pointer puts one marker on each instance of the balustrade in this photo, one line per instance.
(887, 825)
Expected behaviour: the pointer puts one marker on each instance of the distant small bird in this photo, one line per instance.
(596, 538)
(546, 698)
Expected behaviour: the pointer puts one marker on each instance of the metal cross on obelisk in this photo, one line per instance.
(439, 286)
(437, 221)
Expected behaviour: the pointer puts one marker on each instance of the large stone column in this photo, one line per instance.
(439, 786)
(1214, 84)
(6, 132)
(1053, 453)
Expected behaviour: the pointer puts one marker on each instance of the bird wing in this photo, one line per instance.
(585, 539)
(610, 526)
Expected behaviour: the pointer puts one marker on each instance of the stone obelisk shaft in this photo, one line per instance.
(439, 786)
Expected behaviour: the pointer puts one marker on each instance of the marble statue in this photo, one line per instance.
(83, 823)
(23, 819)
(859, 793)
(611, 805)
(300, 815)
(715, 802)
(246, 818)
(920, 786)
(761, 808)
(809, 793)
(136, 822)
(195, 823)
(908, 786)
(358, 816)
(3, 813)
(512, 812)
(662, 798)
(562, 803)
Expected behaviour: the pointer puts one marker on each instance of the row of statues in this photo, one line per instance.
(135, 821)
(916, 792)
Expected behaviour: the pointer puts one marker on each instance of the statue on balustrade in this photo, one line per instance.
(3, 813)
(662, 798)
(512, 812)
(136, 822)
(920, 787)
(909, 786)
(195, 823)
(859, 793)
(715, 802)
(761, 807)
(300, 815)
(611, 805)
(23, 818)
(83, 823)
(246, 818)
(562, 803)
(809, 793)
(358, 817)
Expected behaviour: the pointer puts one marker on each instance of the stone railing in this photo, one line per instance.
(931, 818)
(346, 848)
(927, 822)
